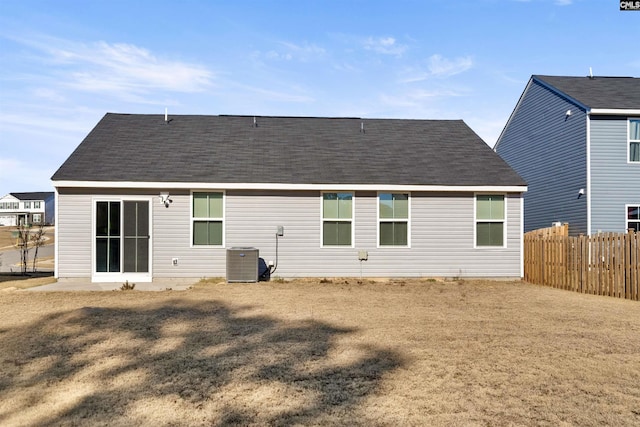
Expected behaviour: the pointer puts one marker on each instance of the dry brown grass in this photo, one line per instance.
(308, 353)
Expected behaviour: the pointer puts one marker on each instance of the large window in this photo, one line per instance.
(634, 140)
(337, 219)
(490, 220)
(393, 219)
(633, 218)
(208, 218)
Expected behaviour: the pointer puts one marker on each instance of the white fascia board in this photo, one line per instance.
(615, 111)
(273, 186)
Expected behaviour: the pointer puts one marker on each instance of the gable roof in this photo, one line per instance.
(284, 150)
(42, 195)
(597, 92)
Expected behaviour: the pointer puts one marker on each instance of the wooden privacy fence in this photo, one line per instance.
(602, 264)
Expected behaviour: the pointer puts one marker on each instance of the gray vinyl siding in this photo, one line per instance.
(548, 149)
(614, 181)
(73, 234)
(442, 237)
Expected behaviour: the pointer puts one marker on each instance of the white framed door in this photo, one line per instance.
(122, 240)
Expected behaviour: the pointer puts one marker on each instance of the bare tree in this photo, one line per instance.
(22, 243)
(37, 239)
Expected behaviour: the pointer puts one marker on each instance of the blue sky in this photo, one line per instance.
(64, 64)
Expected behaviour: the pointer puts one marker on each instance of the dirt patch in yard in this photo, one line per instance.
(320, 352)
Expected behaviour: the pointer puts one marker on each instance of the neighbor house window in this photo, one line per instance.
(633, 218)
(337, 219)
(490, 220)
(27, 205)
(393, 219)
(36, 205)
(634, 140)
(37, 218)
(208, 219)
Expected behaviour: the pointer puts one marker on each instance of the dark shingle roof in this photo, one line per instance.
(598, 92)
(285, 150)
(42, 195)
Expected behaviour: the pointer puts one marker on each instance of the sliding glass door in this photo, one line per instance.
(122, 237)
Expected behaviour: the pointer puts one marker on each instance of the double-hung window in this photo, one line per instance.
(633, 218)
(36, 205)
(393, 219)
(207, 219)
(337, 219)
(634, 140)
(27, 205)
(490, 220)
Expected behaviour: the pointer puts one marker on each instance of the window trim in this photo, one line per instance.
(503, 221)
(380, 220)
(626, 215)
(192, 219)
(629, 141)
(352, 220)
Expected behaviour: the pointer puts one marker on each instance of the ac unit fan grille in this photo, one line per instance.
(242, 265)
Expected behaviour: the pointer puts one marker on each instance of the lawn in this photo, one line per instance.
(320, 352)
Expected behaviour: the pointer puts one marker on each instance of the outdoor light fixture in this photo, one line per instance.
(165, 199)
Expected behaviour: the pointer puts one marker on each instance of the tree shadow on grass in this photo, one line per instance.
(184, 362)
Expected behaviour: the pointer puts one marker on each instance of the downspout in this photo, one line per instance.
(56, 207)
(521, 236)
(588, 119)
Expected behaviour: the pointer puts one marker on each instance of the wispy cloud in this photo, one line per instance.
(384, 45)
(437, 66)
(287, 51)
(563, 2)
(119, 69)
(440, 66)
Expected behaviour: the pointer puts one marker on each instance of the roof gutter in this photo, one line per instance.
(279, 186)
(614, 111)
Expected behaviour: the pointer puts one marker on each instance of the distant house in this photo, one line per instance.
(27, 208)
(144, 197)
(576, 141)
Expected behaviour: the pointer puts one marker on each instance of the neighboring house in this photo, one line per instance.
(27, 208)
(576, 141)
(144, 197)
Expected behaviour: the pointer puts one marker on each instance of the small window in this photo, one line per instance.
(490, 220)
(208, 219)
(393, 219)
(634, 140)
(27, 205)
(37, 218)
(36, 205)
(633, 218)
(337, 219)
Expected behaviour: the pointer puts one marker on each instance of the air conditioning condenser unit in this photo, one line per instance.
(242, 264)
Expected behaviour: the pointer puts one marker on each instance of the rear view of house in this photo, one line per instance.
(576, 141)
(148, 196)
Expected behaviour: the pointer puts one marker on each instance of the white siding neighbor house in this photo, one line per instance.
(146, 196)
(576, 141)
(27, 208)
